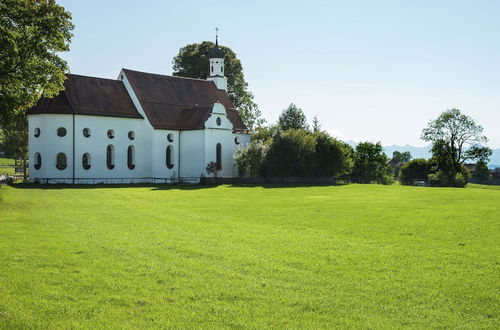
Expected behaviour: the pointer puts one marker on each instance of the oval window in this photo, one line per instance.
(61, 161)
(86, 132)
(86, 161)
(170, 137)
(38, 161)
(37, 132)
(131, 135)
(218, 121)
(61, 131)
(237, 140)
(111, 133)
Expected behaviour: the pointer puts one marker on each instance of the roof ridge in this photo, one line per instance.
(165, 75)
(81, 75)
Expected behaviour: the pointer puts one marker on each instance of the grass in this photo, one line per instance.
(357, 256)
(7, 161)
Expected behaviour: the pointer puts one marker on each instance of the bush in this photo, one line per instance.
(417, 169)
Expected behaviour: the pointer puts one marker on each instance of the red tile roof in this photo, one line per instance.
(89, 96)
(179, 103)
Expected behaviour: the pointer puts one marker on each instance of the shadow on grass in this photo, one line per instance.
(168, 186)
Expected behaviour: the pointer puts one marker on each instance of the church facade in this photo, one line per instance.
(142, 127)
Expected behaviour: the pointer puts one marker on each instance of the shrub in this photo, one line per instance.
(416, 169)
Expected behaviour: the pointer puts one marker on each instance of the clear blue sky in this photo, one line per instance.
(370, 70)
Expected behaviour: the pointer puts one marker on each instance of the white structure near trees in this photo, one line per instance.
(141, 127)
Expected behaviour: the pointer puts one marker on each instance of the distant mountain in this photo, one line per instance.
(416, 152)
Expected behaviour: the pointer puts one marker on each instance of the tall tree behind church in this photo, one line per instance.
(192, 61)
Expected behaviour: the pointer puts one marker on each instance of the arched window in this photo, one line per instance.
(221, 69)
(86, 132)
(218, 121)
(61, 161)
(110, 157)
(111, 133)
(86, 161)
(131, 135)
(131, 157)
(169, 160)
(38, 161)
(61, 131)
(212, 68)
(218, 155)
(37, 132)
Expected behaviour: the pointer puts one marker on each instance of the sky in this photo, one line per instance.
(375, 70)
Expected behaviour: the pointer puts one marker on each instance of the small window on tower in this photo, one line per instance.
(212, 68)
(221, 69)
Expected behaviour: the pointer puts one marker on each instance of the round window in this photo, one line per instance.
(86, 132)
(111, 133)
(131, 135)
(218, 121)
(61, 131)
(237, 140)
(170, 137)
(37, 132)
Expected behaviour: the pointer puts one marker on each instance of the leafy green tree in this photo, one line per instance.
(291, 153)
(456, 138)
(292, 118)
(444, 172)
(32, 33)
(481, 173)
(416, 169)
(398, 160)
(401, 157)
(332, 158)
(193, 61)
(249, 159)
(370, 164)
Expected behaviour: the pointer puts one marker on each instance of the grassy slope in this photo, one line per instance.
(345, 256)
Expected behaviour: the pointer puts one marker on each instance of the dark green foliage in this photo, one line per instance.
(213, 168)
(370, 164)
(481, 173)
(291, 153)
(455, 139)
(416, 169)
(444, 172)
(292, 118)
(294, 153)
(316, 126)
(401, 157)
(249, 159)
(32, 33)
(332, 157)
(193, 61)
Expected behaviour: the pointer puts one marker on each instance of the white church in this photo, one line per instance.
(142, 127)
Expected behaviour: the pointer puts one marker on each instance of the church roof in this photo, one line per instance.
(89, 96)
(169, 102)
(179, 103)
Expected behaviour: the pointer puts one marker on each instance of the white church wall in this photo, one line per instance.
(96, 145)
(49, 144)
(192, 161)
(161, 143)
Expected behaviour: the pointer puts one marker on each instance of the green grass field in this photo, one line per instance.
(7, 170)
(358, 256)
(7, 161)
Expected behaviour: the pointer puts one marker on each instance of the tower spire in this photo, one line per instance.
(216, 36)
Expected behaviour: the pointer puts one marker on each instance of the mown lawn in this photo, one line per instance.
(359, 256)
(7, 161)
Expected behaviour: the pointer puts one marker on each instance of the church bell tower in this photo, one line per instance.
(216, 69)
